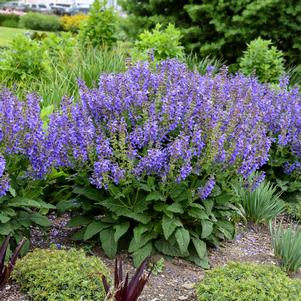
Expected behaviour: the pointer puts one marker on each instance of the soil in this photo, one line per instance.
(177, 280)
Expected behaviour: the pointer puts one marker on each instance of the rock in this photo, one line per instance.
(183, 298)
(188, 285)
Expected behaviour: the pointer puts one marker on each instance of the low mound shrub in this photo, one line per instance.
(38, 21)
(9, 20)
(72, 23)
(56, 275)
(248, 282)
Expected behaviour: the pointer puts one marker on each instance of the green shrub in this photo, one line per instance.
(163, 43)
(294, 210)
(23, 61)
(101, 26)
(38, 21)
(60, 275)
(261, 205)
(9, 20)
(287, 246)
(263, 59)
(248, 282)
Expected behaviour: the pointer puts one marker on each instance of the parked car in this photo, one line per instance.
(62, 8)
(39, 7)
(13, 5)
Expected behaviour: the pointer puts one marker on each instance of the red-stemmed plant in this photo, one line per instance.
(6, 269)
(125, 289)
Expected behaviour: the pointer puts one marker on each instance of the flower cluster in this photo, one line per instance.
(169, 122)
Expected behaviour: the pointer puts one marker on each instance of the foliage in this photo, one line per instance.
(248, 282)
(162, 43)
(24, 59)
(101, 26)
(56, 275)
(264, 60)
(38, 21)
(6, 269)
(203, 65)
(287, 246)
(158, 266)
(9, 20)
(260, 200)
(294, 210)
(222, 27)
(125, 289)
(72, 23)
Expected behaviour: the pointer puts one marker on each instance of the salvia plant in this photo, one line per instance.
(287, 246)
(151, 153)
(6, 269)
(126, 289)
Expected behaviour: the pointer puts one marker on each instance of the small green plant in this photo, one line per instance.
(287, 246)
(163, 43)
(248, 282)
(6, 269)
(294, 209)
(56, 275)
(101, 26)
(38, 21)
(261, 205)
(125, 289)
(263, 59)
(158, 266)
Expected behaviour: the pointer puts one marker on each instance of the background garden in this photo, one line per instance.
(169, 131)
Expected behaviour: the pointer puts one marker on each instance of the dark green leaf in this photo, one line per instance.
(94, 228)
(183, 238)
(200, 247)
(175, 208)
(154, 196)
(207, 228)
(169, 226)
(108, 242)
(40, 220)
(120, 230)
(78, 221)
(142, 253)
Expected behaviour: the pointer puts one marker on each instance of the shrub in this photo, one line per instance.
(101, 26)
(248, 282)
(60, 275)
(294, 210)
(9, 20)
(162, 43)
(72, 23)
(287, 246)
(38, 21)
(23, 60)
(262, 203)
(264, 60)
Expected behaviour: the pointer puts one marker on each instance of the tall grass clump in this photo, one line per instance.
(262, 203)
(287, 246)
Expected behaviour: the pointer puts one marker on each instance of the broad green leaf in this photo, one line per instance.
(89, 192)
(6, 229)
(202, 262)
(12, 191)
(79, 235)
(108, 242)
(135, 245)
(207, 228)
(196, 211)
(169, 249)
(65, 205)
(24, 202)
(4, 219)
(200, 247)
(154, 196)
(94, 228)
(120, 230)
(40, 220)
(138, 231)
(78, 221)
(175, 208)
(169, 226)
(227, 228)
(209, 206)
(183, 238)
(142, 253)
(179, 192)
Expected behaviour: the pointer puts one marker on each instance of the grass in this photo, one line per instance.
(8, 33)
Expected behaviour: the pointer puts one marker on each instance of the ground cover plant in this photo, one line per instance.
(247, 281)
(52, 274)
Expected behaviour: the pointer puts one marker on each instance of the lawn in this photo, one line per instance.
(8, 33)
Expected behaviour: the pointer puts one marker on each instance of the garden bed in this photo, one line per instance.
(177, 278)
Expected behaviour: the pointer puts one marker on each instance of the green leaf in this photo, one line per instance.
(79, 235)
(135, 245)
(154, 196)
(227, 228)
(142, 253)
(179, 192)
(6, 229)
(175, 208)
(169, 249)
(78, 221)
(65, 205)
(209, 206)
(4, 219)
(169, 226)
(24, 202)
(200, 247)
(201, 262)
(120, 230)
(94, 228)
(183, 238)
(12, 191)
(108, 242)
(207, 228)
(40, 220)
(197, 211)
(89, 192)
(138, 231)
